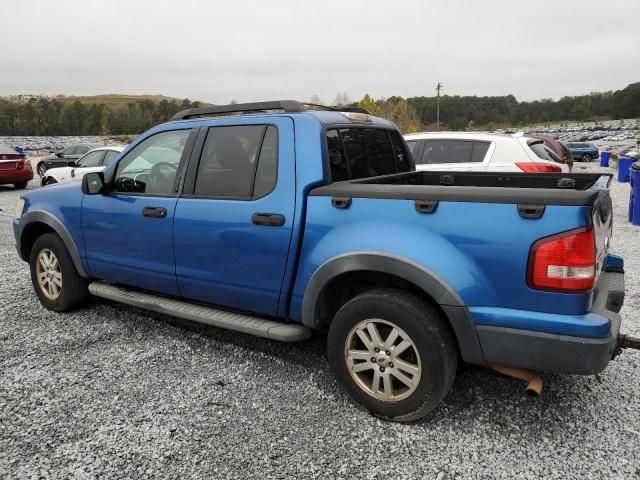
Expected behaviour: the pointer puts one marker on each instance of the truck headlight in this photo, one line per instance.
(19, 208)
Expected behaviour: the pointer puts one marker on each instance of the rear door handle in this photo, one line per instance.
(268, 219)
(154, 212)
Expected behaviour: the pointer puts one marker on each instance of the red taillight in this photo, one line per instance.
(533, 167)
(20, 163)
(564, 262)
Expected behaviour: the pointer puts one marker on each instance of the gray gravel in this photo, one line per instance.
(112, 392)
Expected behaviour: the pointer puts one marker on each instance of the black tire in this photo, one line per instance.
(427, 329)
(74, 291)
(48, 181)
(586, 157)
(20, 185)
(42, 169)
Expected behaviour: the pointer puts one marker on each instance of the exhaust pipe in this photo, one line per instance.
(534, 382)
(627, 341)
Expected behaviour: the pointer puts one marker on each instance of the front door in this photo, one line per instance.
(128, 232)
(234, 220)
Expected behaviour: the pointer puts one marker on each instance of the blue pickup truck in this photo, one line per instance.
(277, 220)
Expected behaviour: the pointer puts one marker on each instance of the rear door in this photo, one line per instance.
(234, 221)
(128, 232)
(454, 155)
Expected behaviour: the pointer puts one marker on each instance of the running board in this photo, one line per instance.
(284, 332)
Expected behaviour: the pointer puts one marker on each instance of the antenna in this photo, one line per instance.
(438, 87)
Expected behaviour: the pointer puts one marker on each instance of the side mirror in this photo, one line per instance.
(93, 183)
(71, 164)
(59, 154)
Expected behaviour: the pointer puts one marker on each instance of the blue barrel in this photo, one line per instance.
(634, 197)
(604, 159)
(623, 168)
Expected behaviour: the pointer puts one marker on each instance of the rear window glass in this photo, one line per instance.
(453, 151)
(359, 152)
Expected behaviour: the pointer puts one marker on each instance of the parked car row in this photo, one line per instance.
(64, 156)
(94, 161)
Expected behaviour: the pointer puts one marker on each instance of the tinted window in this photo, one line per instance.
(479, 151)
(82, 149)
(544, 152)
(267, 172)
(365, 152)
(68, 151)
(412, 145)
(110, 157)
(453, 151)
(91, 159)
(228, 160)
(152, 165)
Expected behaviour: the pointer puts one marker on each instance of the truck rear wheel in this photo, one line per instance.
(55, 279)
(393, 353)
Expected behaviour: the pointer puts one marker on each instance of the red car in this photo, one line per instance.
(14, 168)
(556, 146)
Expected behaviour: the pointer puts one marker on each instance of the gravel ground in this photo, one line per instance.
(112, 392)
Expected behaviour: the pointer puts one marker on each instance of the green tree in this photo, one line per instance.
(369, 104)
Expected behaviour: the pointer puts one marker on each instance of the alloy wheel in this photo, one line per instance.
(383, 360)
(49, 274)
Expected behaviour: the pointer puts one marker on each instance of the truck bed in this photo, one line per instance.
(481, 187)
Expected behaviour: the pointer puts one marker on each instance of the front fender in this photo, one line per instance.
(57, 226)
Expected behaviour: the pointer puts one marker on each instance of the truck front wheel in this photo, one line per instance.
(55, 279)
(393, 353)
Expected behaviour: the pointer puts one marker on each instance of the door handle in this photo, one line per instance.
(268, 219)
(154, 212)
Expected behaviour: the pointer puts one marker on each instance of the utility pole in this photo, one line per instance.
(438, 87)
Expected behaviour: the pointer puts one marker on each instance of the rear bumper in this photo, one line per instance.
(545, 351)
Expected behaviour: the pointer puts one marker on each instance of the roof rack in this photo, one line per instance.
(284, 105)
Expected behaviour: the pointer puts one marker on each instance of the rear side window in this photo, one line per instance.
(453, 151)
(360, 152)
(412, 145)
(92, 159)
(233, 156)
(544, 152)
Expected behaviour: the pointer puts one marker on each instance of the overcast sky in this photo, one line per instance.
(248, 50)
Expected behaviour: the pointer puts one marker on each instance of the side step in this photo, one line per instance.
(284, 332)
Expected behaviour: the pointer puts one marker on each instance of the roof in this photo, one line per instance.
(326, 115)
(114, 148)
(487, 137)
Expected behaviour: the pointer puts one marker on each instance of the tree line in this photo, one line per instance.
(53, 116)
(472, 112)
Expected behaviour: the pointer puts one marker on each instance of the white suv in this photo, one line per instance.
(482, 152)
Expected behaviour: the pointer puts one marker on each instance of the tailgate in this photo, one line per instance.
(602, 217)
